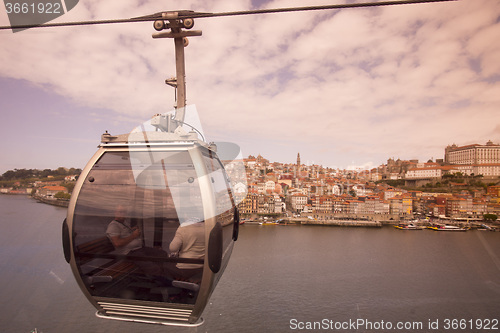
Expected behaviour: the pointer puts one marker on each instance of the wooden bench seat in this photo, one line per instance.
(100, 265)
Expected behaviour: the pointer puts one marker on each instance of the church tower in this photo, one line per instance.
(297, 170)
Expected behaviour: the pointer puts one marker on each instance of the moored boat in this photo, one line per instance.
(410, 226)
(269, 223)
(448, 228)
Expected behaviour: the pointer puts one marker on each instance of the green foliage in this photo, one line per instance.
(69, 185)
(490, 217)
(62, 195)
(30, 174)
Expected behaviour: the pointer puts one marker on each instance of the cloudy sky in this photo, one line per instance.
(348, 88)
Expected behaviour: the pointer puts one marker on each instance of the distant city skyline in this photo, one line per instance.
(271, 160)
(347, 89)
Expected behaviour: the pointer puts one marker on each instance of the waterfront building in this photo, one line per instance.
(382, 207)
(425, 204)
(459, 207)
(407, 204)
(395, 206)
(266, 204)
(279, 204)
(401, 205)
(339, 206)
(493, 208)
(298, 201)
(322, 204)
(479, 208)
(50, 191)
(250, 204)
(438, 210)
(355, 207)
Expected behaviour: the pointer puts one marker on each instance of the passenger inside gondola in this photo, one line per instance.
(127, 240)
(189, 242)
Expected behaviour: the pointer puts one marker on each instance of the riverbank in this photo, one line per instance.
(346, 223)
(51, 201)
(48, 201)
(334, 223)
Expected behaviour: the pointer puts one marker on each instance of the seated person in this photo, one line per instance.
(127, 240)
(123, 237)
(188, 242)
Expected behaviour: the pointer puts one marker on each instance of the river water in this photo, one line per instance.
(279, 279)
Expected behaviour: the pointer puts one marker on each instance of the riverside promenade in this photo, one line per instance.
(339, 223)
(307, 221)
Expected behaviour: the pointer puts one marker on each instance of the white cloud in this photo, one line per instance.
(358, 84)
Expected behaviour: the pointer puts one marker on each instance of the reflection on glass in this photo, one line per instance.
(231, 157)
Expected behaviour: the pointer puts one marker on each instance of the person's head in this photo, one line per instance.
(120, 213)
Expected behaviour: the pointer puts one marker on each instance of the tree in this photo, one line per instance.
(61, 171)
(8, 175)
(70, 186)
(490, 217)
(62, 195)
(45, 173)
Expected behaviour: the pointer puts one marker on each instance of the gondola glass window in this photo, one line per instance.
(128, 211)
(224, 201)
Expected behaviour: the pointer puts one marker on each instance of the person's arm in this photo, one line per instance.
(176, 244)
(119, 242)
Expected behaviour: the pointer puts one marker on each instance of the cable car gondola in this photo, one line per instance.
(172, 202)
(153, 218)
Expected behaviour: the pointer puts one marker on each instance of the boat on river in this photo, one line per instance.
(409, 226)
(269, 223)
(447, 228)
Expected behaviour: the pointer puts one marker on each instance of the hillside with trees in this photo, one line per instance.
(24, 177)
